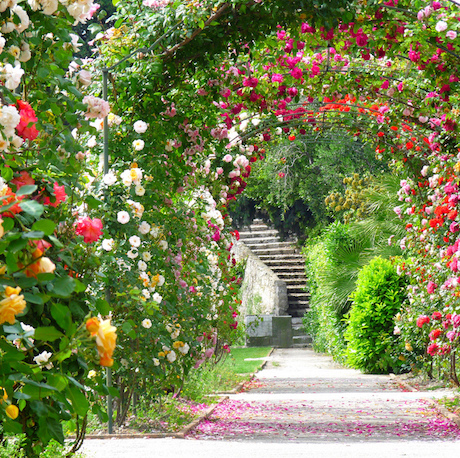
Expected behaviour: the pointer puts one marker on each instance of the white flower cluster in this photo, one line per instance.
(131, 176)
(11, 76)
(80, 10)
(9, 119)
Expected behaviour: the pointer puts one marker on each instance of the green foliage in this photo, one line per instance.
(322, 322)
(378, 297)
(290, 185)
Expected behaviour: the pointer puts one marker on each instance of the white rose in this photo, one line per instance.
(107, 244)
(140, 127)
(139, 190)
(109, 178)
(142, 265)
(184, 350)
(135, 241)
(146, 256)
(123, 217)
(43, 358)
(132, 254)
(171, 356)
(144, 227)
(138, 145)
(147, 324)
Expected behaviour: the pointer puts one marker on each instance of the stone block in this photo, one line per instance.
(282, 331)
(268, 330)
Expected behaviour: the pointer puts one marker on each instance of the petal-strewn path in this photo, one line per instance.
(302, 404)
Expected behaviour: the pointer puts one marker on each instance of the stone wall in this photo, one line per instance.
(263, 293)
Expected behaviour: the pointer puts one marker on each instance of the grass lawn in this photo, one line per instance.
(237, 359)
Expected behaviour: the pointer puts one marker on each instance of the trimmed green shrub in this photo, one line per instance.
(380, 292)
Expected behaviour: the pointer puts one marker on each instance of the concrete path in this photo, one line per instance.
(304, 405)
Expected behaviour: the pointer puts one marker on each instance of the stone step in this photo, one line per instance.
(296, 322)
(270, 247)
(282, 257)
(258, 234)
(286, 265)
(256, 241)
(293, 277)
(298, 331)
(258, 228)
(295, 284)
(295, 292)
(301, 341)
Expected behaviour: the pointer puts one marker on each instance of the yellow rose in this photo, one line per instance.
(2, 231)
(106, 337)
(3, 397)
(11, 305)
(45, 265)
(12, 411)
(408, 346)
(178, 344)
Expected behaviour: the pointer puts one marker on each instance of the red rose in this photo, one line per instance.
(26, 127)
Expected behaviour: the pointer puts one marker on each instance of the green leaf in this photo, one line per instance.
(7, 173)
(79, 286)
(45, 277)
(26, 282)
(57, 380)
(17, 245)
(26, 190)
(10, 352)
(33, 298)
(55, 241)
(34, 235)
(78, 400)
(32, 208)
(10, 426)
(54, 429)
(20, 395)
(93, 203)
(42, 72)
(103, 307)
(63, 287)
(48, 333)
(8, 224)
(44, 225)
(62, 315)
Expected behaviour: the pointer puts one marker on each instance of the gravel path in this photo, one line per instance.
(302, 404)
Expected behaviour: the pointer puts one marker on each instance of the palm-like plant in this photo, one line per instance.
(367, 238)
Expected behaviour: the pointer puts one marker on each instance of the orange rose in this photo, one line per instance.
(11, 305)
(92, 325)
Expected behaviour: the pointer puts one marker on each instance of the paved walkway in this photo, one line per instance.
(304, 405)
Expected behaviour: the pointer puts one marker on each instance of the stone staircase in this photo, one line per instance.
(288, 264)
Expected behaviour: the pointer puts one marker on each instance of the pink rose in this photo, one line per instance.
(431, 287)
